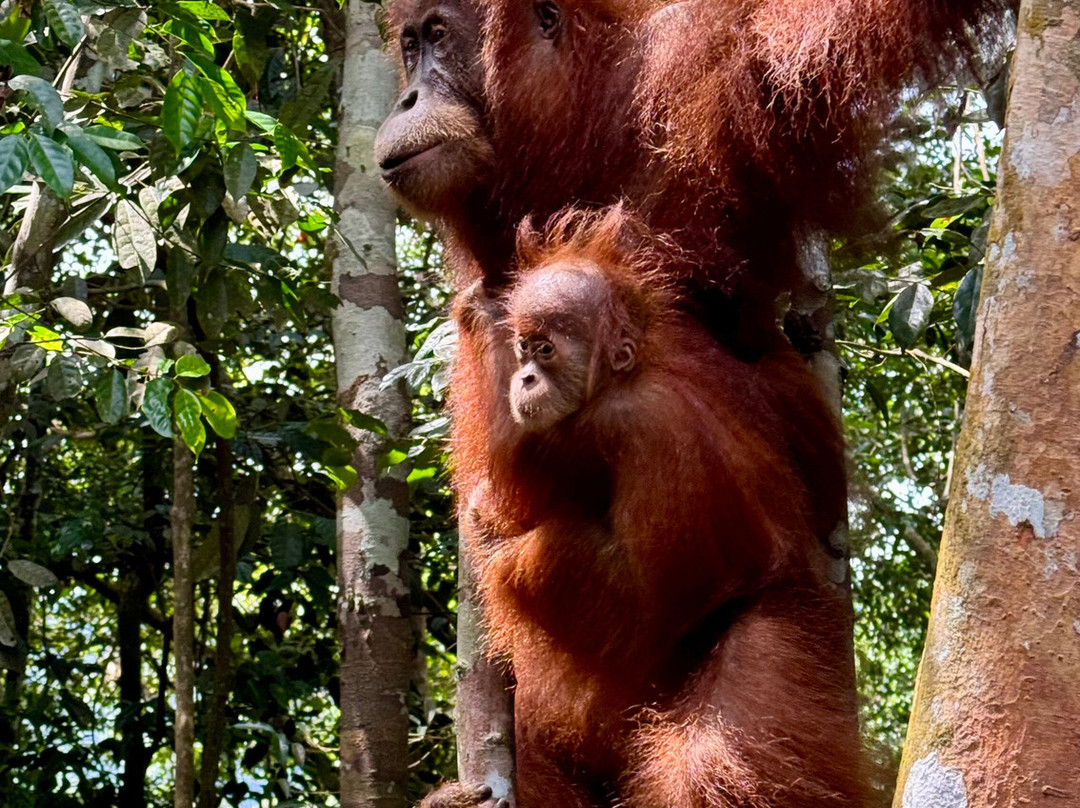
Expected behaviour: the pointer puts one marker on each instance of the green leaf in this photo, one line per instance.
(344, 477)
(115, 139)
(966, 304)
(191, 366)
(135, 239)
(155, 406)
(110, 395)
(14, 157)
(181, 110)
(64, 379)
(18, 58)
(219, 414)
(286, 545)
(240, 169)
(227, 90)
(361, 420)
(910, 314)
(90, 154)
(52, 162)
(265, 122)
(74, 311)
(879, 399)
(204, 10)
(33, 574)
(187, 411)
(46, 338)
(290, 148)
(43, 97)
(65, 21)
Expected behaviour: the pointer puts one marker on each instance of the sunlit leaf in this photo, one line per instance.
(181, 110)
(187, 412)
(219, 413)
(204, 10)
(192, 366)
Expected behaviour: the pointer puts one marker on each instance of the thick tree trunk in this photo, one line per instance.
(378, 645)
(997, 705)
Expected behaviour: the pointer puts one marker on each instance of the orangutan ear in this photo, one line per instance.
(623, 354)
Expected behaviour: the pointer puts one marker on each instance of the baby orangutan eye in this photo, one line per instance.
(546, 350)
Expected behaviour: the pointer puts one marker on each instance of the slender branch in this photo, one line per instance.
(856, 347)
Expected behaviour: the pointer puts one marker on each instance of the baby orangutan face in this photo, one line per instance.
(560, 315)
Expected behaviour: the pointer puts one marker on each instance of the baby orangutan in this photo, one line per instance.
(649, 543)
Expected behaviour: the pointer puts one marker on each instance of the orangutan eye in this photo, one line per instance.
(550, 18)
(546, 350)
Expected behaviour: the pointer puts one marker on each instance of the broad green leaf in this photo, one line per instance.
(265, 122)
(14, 157)
(136, 242)
(290, 148)
(65, 21)
(64, 379)
(110, 395)
(187, 411)
(43, 97)
(8, 635)
(910, 314)
(155, 406)
(90, 154)
(344, 477)
(46, 338)
(191, 366)
(181, 110)
(240, 169)
(52, 162)
(219, 414)
(361, 420)
(224, 108)
(966, 304)
(286, 545)
(191, 34)
(228, 91)
(18, 58)
(25, 360)
(33, 574)
(115, 139)
(204, 10)
(74, 311)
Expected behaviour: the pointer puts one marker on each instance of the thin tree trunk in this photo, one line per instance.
(183, 517)
(997, 705)
(129, 724)
(378, 645)
(214, 739)
(484, 703)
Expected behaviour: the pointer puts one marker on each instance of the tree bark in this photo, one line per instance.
(217, 712)
(997, 707)
(378, 645)
(183, 517)
(484, 703)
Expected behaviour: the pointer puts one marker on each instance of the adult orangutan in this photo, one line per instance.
(647, 549)
(729, 126)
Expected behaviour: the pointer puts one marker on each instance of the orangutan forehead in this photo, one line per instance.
(563, 296)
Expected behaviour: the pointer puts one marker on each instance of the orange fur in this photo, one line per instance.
(656, 577)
